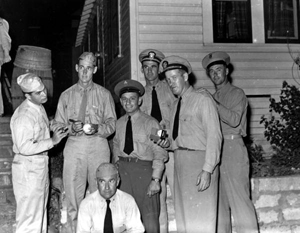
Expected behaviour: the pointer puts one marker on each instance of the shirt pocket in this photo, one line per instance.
(185, 125)
(141, 143)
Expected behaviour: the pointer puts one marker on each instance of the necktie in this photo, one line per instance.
(108, 225)
(128, 148)
(81, 114)
(155, 111)
(176, 120)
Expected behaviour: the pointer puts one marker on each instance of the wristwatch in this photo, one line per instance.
(156, 180)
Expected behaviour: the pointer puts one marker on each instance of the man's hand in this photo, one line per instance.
(153, 188)
(203, 180)
(164, 143)
(92, 130)
(77, 126)
(58, 135)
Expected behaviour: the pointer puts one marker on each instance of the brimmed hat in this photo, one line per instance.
(30, 82)
(174, 62)
(129, 86)
(215, 58)
(151, 55)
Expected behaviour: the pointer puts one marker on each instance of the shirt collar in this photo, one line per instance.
(224, 88)
(186, 93)
(35, 106)
(80, 88)
(134, 116)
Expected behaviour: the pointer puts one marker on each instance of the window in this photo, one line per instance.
(281, 21)
(232, 21)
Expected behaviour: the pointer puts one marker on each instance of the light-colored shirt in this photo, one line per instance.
(125, 214)
(144, 148)
(165, 99)
(199, 125)
(100, 109)
(30, 129)
(232, 109)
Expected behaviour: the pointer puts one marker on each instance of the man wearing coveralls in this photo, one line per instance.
(234, 197)
(88, 110)
(140, 160)
(196, 139)
(31, 142)
(157, 102)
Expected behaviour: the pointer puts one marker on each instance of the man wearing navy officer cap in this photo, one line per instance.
(157, 102)
(140, 160)
(196, 140)
(232, 103)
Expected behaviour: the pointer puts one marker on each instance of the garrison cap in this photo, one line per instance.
(129, 85)
(151, 55)
(30, 82)
(215, 58)
(89, 56)
(174, 62)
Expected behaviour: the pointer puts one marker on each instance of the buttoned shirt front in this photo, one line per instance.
(100, 109)
(165, 99)
(144, 148)
(30, 129)
(232, 109)
(199, 126)
(125, 214)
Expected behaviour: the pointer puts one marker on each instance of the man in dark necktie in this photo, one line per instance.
(108, 209)
(140, 160)
(157, 102)
(196, 140)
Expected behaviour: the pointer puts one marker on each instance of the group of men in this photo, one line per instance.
(171, 133)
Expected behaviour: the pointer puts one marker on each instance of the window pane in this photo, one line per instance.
(281, 21)
(232, 21)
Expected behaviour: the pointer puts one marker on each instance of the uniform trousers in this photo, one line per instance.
(196, 212)
(136, 176)
(82, 156)
(168, 178)
(31, 188)
(234, 188)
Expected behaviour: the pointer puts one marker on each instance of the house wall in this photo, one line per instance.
(184, 28)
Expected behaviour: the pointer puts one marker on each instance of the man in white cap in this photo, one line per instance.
(157, 102)
(88, 110)
(140, 160)
(196, 140)
(234, 192)
(109, 208)
(31, 142)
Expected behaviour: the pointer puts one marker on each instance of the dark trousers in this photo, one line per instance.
(135, 179)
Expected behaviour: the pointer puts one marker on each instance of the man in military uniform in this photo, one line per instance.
(140, 160)
(234, 197)
(196, 140)
(157, 102)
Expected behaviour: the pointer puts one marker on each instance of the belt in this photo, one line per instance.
(134, 160)
(232, 136)
(183, 148)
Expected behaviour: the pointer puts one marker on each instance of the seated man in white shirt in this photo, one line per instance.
(93, 215)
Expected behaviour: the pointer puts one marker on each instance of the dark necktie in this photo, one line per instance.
(176, 120)
(108, 225)
(128, 148)
(81, 114)
(155, 111)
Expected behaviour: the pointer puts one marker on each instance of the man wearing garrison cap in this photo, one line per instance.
(31, 141)
(196, 140)
(88, 110)
(234, 193)
(140, 160)
(157, 102)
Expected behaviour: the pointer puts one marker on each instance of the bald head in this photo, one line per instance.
(106, 169)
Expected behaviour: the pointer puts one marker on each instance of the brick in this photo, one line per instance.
(267, 201)
(279, 183)
(293, 199)
(275, 229)
(291, 213)
(267, 216)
